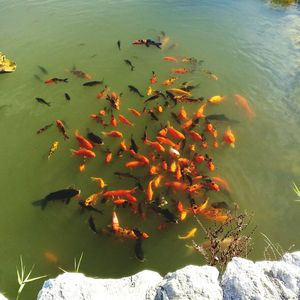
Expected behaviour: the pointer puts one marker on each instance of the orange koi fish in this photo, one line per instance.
(123, 146)
(131, 198)
(211, 129)
(244, 104)
(135, 112)
(195, 135)
(134, 164)
(187, 124)
(180, 92)
(153, 79)
(101, 94)
(61, 128)
(102, 112)
(149, 191)
(199, 158)
(108, 156)
(182, 115)
(82, 167)
(84, 152)
(120, 201)
(164, 165)
(175, 133)
(163, 132)
(166, 141)
(229, 137)
(169, 81)
(182, 211)
(116, 134)
(118, 193)
(50, 257)
(159, 108)
(100, 182)
(178, 174)
(155, 145)
(176, 185)
(216, 99)
(113, 121)
(84, 143)
(125, 121)
(142, 158)
(222, 182)
(200, 112)
(181, 71)
(170, 58)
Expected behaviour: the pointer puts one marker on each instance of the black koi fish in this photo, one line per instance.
(92, 83)
(65, 195)
(67, 96)
(43, 69)
(92, 224)
(44, 128)
(119, 44)
(42, 101)
(128, 62)
(135, 90)
(94, 138)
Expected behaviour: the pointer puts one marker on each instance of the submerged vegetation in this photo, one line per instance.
(284, 2)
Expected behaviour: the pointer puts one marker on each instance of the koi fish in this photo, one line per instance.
(43, 69)
(92, 224)
(128, 62)
(118, 193)
(92, 199)
(169, 81)
(180, 92)
(84, 143)
(101, 94)
(80, 74)
(182, 115)
(155, 145)
(244, 104)
(170, 58)
(100, 182)
(135, 112)
(93, 83)
(44, 128)
(189, 235)
(116, 134)
(149, 191)
(135, 163)
(108, 156)
(153, 78)
(94, 138)
(50, 257)
(165, 141)
(229, 137)
(67, 96)
(175, 133)
(216, 99)
(41, 100)
(135, 90)
(222, 182)
(115, 222)
(119, 44)
(65, 194)
(53, 148)
(195, 135)
(176, 185)
(181, 70)
(56, 80)
(113, 121)
(84, 152)
(61, 128)
(149, 91)
(125, 121)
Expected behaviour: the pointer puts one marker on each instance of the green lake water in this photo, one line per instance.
(252, 47)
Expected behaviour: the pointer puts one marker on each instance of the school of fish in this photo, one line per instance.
(170, 169)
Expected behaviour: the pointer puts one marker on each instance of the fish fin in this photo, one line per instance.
(67, 200)
(43, 203)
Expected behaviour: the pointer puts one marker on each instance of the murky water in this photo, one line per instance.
(252, 48)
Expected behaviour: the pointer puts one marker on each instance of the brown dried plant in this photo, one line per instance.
(226, 240)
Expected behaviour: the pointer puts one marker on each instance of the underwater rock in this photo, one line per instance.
(6, 65)
(266, 280)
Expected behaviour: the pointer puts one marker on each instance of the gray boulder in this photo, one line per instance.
(190, 283)
(76, 286)
(265, 280)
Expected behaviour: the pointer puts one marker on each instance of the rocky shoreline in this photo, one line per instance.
(242, 279)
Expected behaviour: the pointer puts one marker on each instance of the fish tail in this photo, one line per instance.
(65, 80)
(42, 203)
(132, 68)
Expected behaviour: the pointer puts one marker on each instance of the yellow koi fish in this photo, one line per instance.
(53, 148)
(189, 235)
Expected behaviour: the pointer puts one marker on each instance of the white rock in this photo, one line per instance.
(76, 286)
(266, 280)
(2, 297)
(189, 283)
